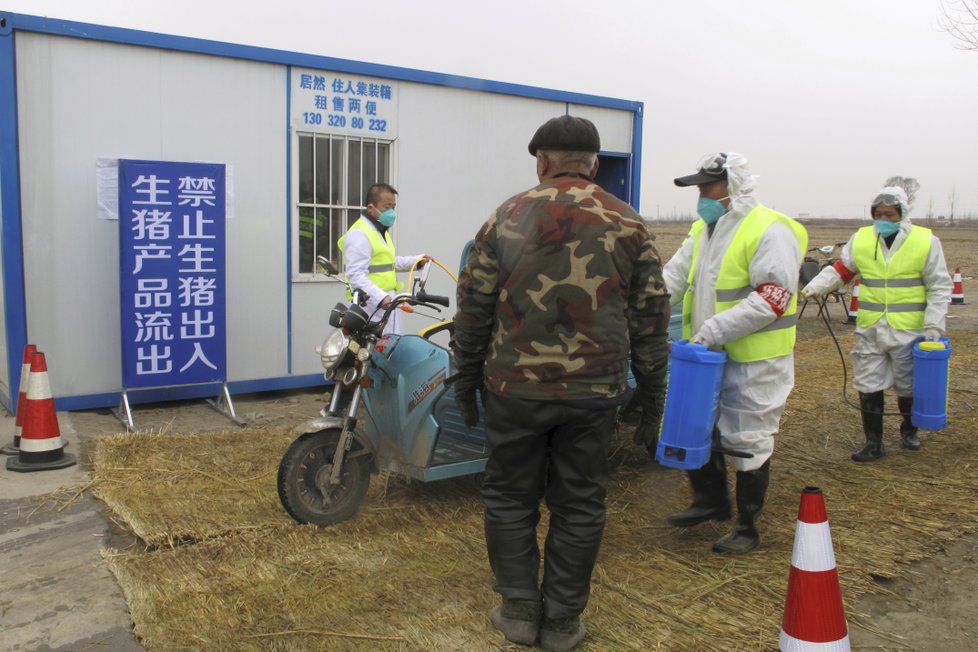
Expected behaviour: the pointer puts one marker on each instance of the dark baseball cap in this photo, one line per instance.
(712, 167)
(568, 133)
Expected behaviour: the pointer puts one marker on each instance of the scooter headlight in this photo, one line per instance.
(334, 349)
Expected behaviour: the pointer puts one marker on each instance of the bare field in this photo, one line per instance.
(928, 604)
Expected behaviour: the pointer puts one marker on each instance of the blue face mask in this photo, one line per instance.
(710, 209)
(886, 228)
(387, 218)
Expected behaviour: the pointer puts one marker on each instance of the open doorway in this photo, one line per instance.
(613, 175)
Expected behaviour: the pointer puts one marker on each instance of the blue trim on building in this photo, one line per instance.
(183, 392)
(11, 234)
(636, 160)
(269, 55)
(288, 220)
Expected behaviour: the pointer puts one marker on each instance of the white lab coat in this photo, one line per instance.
(753, 394)
(356, 260)
(882, 356)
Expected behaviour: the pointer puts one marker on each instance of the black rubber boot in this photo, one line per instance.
(872, 410)
(751, 492)
(711, 502)
(908, 432)
(518, 620)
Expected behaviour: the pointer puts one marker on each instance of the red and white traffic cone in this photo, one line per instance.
(957, 292)
(41, 447)
(814, 618)
(854, 302)
(25, 372)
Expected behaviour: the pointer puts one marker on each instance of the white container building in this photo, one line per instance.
(301, 137)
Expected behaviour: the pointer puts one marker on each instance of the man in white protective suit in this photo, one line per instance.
(903, 297)
(737, 276)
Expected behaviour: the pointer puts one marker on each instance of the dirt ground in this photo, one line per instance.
(930, 607)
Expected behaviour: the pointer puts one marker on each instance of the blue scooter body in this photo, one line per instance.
(411, 418)
(411, 415)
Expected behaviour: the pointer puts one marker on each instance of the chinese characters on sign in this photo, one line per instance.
(338, 103)
(172, 254)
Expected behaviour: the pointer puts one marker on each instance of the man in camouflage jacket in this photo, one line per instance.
(562, 285)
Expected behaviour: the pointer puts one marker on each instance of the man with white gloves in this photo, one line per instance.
(737, 275)
(903, 297)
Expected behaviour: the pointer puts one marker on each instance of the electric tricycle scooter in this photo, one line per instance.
(409, 423)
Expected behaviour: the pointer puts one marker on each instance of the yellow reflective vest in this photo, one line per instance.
(734, 285)
(308, 224)
(896, 288)
(381, 272)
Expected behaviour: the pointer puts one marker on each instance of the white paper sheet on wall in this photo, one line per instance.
(107, 188)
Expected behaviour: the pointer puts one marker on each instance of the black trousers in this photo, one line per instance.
(545, 449)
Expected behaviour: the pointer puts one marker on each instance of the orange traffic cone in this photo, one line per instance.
(854, 302)
(25, 372)
(957, 292)
(814, 618)
(41, 447)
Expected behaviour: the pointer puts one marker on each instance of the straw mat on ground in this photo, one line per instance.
(175, 487)
(409, 571)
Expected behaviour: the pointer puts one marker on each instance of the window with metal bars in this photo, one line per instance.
(334, 173)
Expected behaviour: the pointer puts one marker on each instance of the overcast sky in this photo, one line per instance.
(825, 98)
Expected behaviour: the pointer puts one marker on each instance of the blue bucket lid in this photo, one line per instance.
(686, 350)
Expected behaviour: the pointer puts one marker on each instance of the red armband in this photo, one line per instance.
(844, 271)
(776, 296)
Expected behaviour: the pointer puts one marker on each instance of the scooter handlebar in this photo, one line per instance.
(433, 298)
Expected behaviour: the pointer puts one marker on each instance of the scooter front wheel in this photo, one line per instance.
(303, 479)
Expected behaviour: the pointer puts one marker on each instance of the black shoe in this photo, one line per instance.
(561, 634)
(737, 542)
(518, 620)
(695, 515)
(872, 451)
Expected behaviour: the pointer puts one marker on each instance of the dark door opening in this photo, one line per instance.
(613, 175)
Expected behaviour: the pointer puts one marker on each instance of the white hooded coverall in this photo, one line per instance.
(752, 394)
(882, 356)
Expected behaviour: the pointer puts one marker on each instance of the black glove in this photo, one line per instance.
(652, 395)
(647, 431)
(468, 406)
(469, 380)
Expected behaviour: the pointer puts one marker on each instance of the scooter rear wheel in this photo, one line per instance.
(303, 479)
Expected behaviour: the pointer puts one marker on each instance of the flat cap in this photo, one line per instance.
(568, 133)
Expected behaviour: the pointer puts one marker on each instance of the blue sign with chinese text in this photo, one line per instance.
(172, 276)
